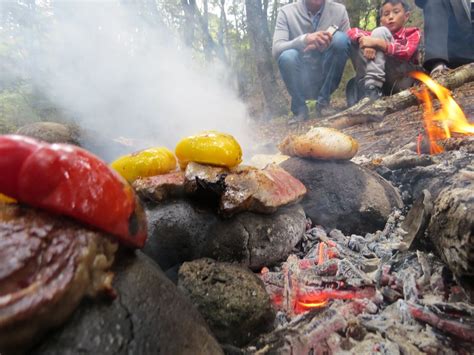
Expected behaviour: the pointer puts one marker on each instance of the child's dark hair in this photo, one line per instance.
(404, 3)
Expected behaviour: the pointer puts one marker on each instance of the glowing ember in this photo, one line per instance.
(313, 304)
(448, 119)
(322, 253)
(321, 297)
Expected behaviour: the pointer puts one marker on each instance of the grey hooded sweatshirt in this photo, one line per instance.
(294, 22)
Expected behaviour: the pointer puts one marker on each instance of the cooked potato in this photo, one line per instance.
(320, 143)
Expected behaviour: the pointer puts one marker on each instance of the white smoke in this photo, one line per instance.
(120, 76)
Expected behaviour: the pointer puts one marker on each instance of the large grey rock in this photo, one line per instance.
(149, 316)
(180, 231)
(344, 195)
(97, 143)
(50, 132)
(232, 299)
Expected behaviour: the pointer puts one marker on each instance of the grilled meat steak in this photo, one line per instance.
(243, 188)
(204, 178)
(258, 190)
(160, 187)
(47, 265)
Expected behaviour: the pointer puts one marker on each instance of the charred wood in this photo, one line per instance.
(366, 111)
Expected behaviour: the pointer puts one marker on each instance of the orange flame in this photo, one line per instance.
(448, 119)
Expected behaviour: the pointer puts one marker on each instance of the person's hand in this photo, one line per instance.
(369, 53)
(310, 47)
(319, 40)
(367, 42)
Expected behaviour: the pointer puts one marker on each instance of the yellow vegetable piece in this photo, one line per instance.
(6, 199)
(148, 162)
(209, 147)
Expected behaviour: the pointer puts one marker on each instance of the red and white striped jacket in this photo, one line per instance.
(404, 46)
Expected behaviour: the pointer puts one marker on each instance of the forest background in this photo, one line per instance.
(231, 34)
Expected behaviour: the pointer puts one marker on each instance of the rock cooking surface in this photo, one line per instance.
(181, 231)
(344, 195)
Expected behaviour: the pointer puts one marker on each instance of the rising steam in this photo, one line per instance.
(116, 74)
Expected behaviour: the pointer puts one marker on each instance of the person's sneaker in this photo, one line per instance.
(373, 92)
(353, 92)
(300, 117)
(325, 110)
(438, 70)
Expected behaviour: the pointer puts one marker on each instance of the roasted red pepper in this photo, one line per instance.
(68, 180)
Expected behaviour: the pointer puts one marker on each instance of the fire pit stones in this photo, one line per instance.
(181, 230)
(344, 195)
(232, 299)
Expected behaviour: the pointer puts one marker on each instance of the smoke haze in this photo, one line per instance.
(116, 74)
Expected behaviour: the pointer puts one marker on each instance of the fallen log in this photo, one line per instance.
(451, 230)
(366, 111)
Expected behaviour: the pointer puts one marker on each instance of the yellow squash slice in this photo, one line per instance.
(6, 199)
(209, 147)
(148, 162)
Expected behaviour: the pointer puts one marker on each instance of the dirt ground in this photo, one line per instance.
(393, 132)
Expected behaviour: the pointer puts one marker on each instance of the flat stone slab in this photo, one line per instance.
(180, 230)
(344, 195)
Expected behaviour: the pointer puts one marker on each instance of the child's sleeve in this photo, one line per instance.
(405, 51)
(356, 33)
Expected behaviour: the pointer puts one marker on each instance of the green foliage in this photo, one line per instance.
(23, 105)
(6, 127)
(15, 110)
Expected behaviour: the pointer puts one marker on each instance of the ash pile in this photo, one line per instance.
(358, 294)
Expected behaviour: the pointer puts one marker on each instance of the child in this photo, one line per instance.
(384, 57)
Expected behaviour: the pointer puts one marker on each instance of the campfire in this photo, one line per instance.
(335, 289)
(439, 125)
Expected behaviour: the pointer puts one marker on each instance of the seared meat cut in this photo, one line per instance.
(160, 187)
(243, 188)
(204, 178)
(47, 265)
(258, 190)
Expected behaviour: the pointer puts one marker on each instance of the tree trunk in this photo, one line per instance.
(208, 41)
(257, 27)
(275, 7)
(188, 31)
(451, 230)
(222, 32)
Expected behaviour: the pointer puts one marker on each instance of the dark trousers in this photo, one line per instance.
(314, 74)
(444, 40)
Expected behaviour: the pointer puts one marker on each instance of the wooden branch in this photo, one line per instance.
(365, 111)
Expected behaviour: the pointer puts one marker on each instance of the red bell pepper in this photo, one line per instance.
(68, 180)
